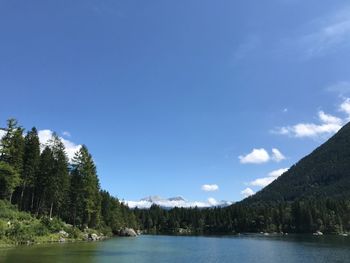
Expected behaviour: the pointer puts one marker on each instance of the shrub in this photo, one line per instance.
(53, 225)
(73, 232)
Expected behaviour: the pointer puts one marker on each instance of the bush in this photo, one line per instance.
(73, 232)
(3, 228)
(40, 229)
(53, 225)
(20, 232)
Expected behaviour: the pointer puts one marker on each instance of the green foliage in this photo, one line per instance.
(52, 190)
(85, 196)
(29, 175)
(53, 224)
(313, 195)
(9, 179)
(325, 173)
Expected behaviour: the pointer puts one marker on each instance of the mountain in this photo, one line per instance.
(178, 201)
(323, 173)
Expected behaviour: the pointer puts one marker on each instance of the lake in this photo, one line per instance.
(244, 248)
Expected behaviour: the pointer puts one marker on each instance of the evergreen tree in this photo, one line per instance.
(9, 179)
(88, 194)
(11, 153)
(30, 168)
(60, 190)
(46, 185)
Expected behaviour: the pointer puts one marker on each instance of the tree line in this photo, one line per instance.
(41, 180)
(302, 216)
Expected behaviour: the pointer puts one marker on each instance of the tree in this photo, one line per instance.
(30, 167)
(60, 190)
(46, 184)
(87, 196)
(11, 153)
(9, 179)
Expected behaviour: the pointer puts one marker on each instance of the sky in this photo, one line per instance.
(208, 100)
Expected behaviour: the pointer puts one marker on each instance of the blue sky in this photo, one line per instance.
(171, 96)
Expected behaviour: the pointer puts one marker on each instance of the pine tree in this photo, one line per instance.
(60, 190)
(11, 153)
(46, 185)
(30, 168)
(9, 179)
(88, 195)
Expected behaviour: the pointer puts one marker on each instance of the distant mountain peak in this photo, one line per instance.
(176, 198)
(177, 201)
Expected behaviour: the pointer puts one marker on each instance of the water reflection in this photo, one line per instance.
(251, 248)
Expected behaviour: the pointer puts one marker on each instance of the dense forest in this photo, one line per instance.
(40, 179)
(302, 216)
(313, 195)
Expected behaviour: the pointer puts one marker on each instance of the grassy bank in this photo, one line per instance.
(18, 227)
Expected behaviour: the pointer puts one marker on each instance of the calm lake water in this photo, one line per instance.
(189, 249)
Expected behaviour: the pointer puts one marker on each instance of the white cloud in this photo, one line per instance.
(45, 136)
(277, 156)
(345, 107)
(264, 181)
(2, 133)
(212, 201)
(210, 187)
(332, 33)
(175, 202)
(247, 192)
(328, 125)
(277, 173)
(71, 148)
(329, 119)
(259, 156)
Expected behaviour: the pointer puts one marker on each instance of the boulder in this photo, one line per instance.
(127, 232)
(93, 237)
(63, 233)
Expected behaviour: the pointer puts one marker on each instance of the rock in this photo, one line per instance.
(94, 237)
(127, 232)
(318, 233)
(63, 233)
(61, 240)
(184, 231)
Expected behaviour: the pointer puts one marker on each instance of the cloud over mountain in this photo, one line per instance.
(179, 201)
(328, 124)
(264, 181)
(259, 156)
(210, 187)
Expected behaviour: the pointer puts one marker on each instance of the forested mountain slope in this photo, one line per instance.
(325, 173)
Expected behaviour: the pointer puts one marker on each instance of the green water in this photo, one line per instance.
(189, 249)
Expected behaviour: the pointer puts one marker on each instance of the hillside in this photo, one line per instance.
(323, 173)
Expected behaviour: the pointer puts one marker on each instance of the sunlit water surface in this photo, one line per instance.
(252, 248)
